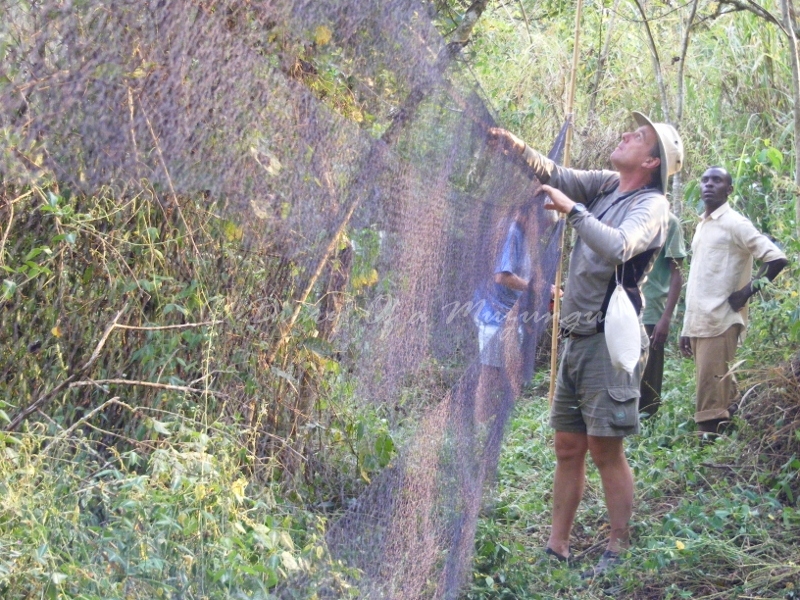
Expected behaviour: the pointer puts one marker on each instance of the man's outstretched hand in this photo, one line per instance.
(557, 200)
(505, 140)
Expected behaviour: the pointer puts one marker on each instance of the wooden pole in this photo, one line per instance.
(567, 147)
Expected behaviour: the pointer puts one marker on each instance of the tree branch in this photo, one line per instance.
(756, 9)
(677, 182)
(656, 61)
(601, 62)
(527, 23)
(165, 327)
(152, 384)
(44, 398)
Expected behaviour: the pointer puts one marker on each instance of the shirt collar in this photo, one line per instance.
(719, 212)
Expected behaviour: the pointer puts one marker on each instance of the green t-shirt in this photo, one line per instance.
(656, 287)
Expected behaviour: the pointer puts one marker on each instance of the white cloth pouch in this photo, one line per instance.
(623, 335)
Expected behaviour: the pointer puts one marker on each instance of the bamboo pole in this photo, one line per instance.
(286, 330)
(567, 147)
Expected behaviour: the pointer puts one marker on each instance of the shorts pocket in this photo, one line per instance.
(624, 408)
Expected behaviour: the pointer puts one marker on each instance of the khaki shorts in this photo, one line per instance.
(592, 396)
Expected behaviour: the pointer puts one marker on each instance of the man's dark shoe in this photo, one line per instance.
(711, 426)
(608, 561)
(733, 409)
(567, 560)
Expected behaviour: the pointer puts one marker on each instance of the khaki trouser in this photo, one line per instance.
(716, 387)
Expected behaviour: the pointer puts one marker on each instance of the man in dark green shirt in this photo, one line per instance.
(661, 293)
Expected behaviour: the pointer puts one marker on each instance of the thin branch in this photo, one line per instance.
(109, 328)
(656, 61)
(10, 221)
(527, 23)
(789, 18)
(44, 398)
(164, 327)
(287, 328)
(677, 181)
(84, 419)
(682, 64)
(601, 61)
(758, 10)
(169, 178)
(152, 384)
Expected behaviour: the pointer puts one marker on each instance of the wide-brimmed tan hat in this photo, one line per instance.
(670, 145)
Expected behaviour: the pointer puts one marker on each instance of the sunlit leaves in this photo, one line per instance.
(322, 35)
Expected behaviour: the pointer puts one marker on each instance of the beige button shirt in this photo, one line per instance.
(723, 248)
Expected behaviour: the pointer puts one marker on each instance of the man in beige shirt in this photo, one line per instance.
(719, 286)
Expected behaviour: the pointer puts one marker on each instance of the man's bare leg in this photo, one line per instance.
(615, 473)
(567, 487)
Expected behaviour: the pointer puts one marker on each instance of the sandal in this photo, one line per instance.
(559, 557)
(608, 561)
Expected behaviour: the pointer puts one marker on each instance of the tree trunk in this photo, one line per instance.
(601, 63)
(651, 42)
(789, 22)
(459, 39)
(677, 180)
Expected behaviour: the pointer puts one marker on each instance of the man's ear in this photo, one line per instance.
(652, 162)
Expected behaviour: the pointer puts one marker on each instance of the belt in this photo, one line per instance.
(577, 336)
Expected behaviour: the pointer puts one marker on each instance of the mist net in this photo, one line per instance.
(226, 100)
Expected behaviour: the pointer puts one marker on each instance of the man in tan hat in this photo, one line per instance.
(620, 218)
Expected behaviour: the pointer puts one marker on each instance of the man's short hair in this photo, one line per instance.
(728, 176)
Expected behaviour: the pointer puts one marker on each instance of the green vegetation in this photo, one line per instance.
(710, 521)
(177, 426)
(166, 460)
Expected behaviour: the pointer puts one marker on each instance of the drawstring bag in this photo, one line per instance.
(623, 335)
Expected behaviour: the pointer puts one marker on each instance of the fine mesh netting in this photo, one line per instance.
(222, 100)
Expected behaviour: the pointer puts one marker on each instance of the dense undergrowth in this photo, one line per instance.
(163, 438)
(121, 489)
(710, 521)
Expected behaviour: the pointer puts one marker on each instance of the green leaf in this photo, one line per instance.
(160, 427)
(286, 540)
(289, 561)
(284, 375)
(36, 252)
(175, 307)
(384, 448)
(9, 287)
(58, 578)
(318, 346)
